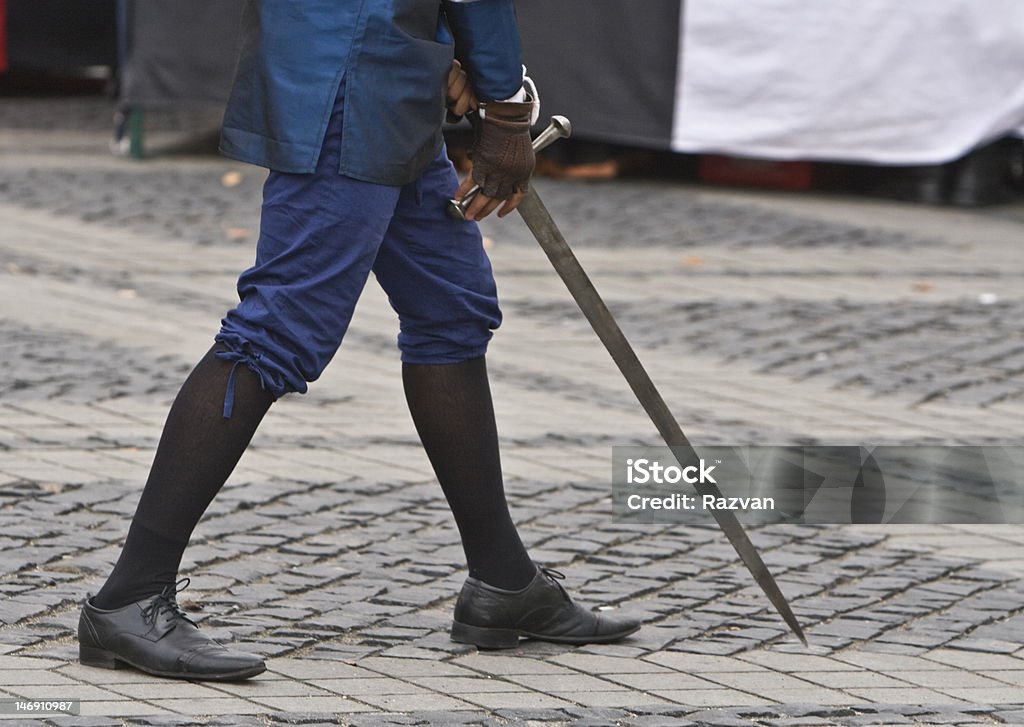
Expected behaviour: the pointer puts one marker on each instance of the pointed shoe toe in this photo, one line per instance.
(495, 618)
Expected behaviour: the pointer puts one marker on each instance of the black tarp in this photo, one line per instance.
(178, 52)
(608, 66)
(60, 35)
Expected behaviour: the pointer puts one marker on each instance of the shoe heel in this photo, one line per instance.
(484, 638)
(95, 656)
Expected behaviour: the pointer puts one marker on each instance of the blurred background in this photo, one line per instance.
(917, 101)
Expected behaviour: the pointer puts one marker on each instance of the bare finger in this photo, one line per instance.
(481, 206)
(511, 203)
(462, 104)
(464, 186)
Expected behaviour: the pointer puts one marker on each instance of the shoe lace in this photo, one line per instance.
(554, 576)
(166, 602)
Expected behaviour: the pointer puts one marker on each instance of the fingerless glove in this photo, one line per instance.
(502, 152)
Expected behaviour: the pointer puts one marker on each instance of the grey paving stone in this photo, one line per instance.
(718, 717)
(529, 715)
(657, 720)
(793, 722)
(424, 718)
(881, 717)
(595, 717)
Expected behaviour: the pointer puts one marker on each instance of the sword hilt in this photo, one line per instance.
(559, 128)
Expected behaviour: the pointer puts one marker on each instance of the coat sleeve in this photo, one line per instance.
(487, 44)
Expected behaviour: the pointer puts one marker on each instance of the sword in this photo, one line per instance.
(551, 240)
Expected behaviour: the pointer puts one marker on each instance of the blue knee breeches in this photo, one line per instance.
(321, 235)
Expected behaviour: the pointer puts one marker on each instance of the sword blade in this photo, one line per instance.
(551, 240)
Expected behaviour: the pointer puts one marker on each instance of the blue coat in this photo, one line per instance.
(391, 60)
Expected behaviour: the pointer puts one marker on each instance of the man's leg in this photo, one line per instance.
(198, 450)
(135, 619)
(439, 280)
(452, 410)
(294, 309)
(319, 235)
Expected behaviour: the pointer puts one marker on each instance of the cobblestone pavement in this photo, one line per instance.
(763, 318)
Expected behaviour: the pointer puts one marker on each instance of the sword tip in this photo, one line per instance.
(798, 631)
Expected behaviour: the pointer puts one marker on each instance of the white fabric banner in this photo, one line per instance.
(884, 81)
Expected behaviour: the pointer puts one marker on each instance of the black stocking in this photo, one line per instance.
(451, 407)
(198, 450)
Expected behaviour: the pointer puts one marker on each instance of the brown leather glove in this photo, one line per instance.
(502, 151)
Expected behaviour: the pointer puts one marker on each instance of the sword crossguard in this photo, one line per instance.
(558, 128)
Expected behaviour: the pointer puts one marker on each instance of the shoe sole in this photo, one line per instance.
(490, 638)
(103, 659)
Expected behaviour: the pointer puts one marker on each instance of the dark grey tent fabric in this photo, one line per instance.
(609, 65)
(60, 35)
(178, 52)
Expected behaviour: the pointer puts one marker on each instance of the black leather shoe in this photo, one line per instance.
(493, 618)
(155, 636)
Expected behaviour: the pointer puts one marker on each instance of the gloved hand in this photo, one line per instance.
(503, 159)
(502, 152)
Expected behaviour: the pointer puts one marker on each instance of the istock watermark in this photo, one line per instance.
(644, 471)
(640, 471)
(821, 484)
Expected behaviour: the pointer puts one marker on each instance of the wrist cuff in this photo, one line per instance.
(518, 97)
